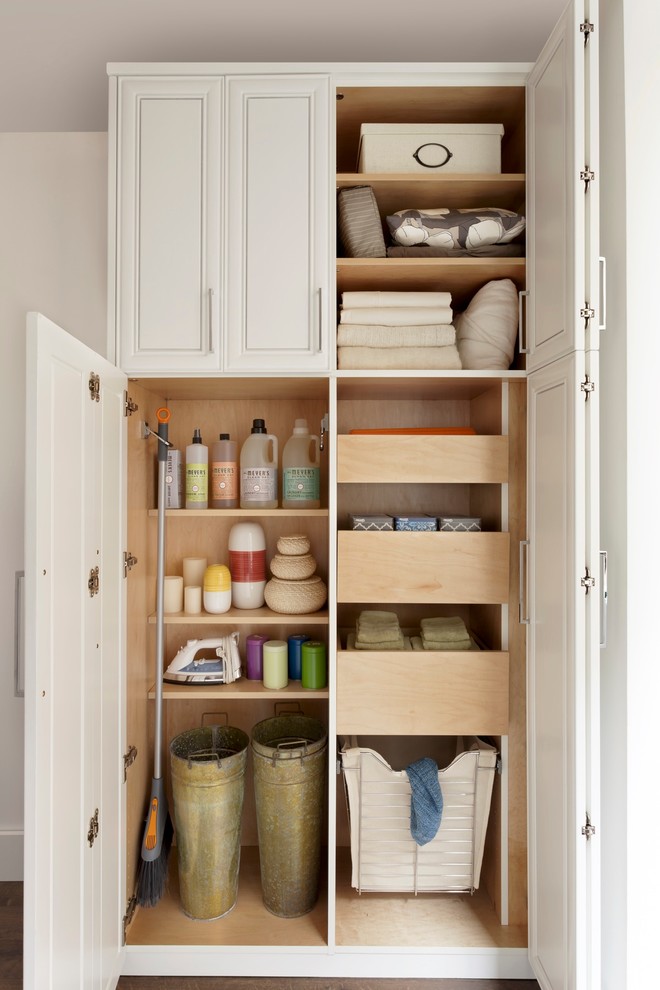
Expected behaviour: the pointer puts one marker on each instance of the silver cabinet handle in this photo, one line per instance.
(521, 320)
(523, 615)
(602, 264)
(320, 319)
(19, 636)
(210, 321)
(603, 598)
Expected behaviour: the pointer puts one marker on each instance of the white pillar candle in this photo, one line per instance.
(173, 594)
(193, 571)
(192, 599)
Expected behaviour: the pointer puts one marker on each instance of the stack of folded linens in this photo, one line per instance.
(378, 630)
(447, 633)
(397, 330)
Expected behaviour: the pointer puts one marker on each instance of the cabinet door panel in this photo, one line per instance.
(562, 142)
(168, 224)
(562, 665)
(277, 230)
(73, 697)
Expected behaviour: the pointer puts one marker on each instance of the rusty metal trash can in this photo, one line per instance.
(289, 760)
(208, 784)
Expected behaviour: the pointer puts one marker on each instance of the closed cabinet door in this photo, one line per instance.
(563, 311)
(168, 265)
(277, 208)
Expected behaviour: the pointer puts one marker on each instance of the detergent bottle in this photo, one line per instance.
(301, 482)
(259, 469)
(197, 473)
(224, 473)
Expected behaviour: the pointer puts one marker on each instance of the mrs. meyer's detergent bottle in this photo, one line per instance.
(259, 469)
(301, 483)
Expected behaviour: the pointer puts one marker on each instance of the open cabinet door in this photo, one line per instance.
(74, 689)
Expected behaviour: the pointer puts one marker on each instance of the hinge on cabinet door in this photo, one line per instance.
(587, 175)
(498, 765)
(325, 426)
(128, 917)
(588, 830)
(587, 581)
(129, 562)
(129, 759)
(587, 29)
(93, 830)
(587, 313)
(94, 386)
(94, 582)
(129, 406)
(587, 386)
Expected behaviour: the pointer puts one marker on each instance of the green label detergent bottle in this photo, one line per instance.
(301, 482)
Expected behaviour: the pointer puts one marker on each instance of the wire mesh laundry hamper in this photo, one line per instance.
(384, 856)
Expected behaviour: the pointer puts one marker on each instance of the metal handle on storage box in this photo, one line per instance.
(210, 321)
(602, 263)
(523, 617)
(523, 292)
(603, 598)
(432, 144)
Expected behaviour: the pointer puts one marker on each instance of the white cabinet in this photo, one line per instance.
(166, 281)
(221, 256)
(276, 241)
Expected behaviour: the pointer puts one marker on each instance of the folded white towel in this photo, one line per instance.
(400, 358)
(396, 316)
(378, 298)
(354, 335)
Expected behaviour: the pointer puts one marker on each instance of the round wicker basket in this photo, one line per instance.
(294, 545)
(296, 597)
(293, 568)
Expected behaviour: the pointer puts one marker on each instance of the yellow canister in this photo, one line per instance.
(217, 589)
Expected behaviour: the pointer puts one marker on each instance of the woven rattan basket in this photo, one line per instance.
(293, 545)
(293, 568)
(296, 597)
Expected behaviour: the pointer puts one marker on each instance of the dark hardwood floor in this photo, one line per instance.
(11, 967)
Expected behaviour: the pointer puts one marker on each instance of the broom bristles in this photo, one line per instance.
(152, 874)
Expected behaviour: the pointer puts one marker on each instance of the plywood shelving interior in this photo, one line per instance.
(490, 483)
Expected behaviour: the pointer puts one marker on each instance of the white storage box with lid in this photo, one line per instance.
(430, 148)
(384, 856)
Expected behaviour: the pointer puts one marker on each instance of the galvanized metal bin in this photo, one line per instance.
(208, 783)
(289, 755)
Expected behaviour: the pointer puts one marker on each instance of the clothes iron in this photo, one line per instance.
(223, 668)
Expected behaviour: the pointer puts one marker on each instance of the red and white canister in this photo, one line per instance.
(247, 564)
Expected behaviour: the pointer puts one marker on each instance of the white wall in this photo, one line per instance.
(53, 234)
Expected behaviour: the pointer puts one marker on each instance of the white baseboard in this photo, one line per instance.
(11, 855)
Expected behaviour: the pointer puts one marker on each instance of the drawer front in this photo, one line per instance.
(423, 459)
(422, 693)
(426, 568)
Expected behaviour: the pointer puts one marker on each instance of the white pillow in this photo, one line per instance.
(486, 332)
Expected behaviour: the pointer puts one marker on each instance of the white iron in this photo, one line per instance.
(224, 668)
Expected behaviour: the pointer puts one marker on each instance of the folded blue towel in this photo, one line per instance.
(426, 800)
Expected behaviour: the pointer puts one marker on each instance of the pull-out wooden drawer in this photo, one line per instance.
(422, 693)
(456, 568)
(423, 459)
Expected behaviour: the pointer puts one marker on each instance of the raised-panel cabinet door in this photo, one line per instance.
(277, 233)
(169, 178)
(563, 762)
(74, 699)
(563, 311)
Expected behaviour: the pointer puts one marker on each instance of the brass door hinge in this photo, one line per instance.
(129, 406)
(129, 562)
(588, 830)
(93, 830)
(128, 917)
(94, 386)
(93, 582)
(129, 760)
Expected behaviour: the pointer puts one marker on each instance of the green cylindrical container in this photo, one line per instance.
(314, 665)
(208, 783)
(289, 756)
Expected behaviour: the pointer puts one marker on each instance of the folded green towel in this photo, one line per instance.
(452, 647)
(376, 617)
(389, 644)
(444, 628)
(370, 634)
(419, 645)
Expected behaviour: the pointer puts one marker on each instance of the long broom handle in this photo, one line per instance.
(163, 419)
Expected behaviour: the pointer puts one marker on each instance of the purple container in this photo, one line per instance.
(295, 655)
(255, 656)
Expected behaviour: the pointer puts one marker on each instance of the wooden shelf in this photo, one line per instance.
(402, 191)
(460, 276)
(241, 513)
(241, 690)
(243, 616)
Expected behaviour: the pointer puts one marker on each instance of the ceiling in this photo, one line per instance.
(53, 53)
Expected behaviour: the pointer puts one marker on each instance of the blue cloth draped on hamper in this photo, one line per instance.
(426, 800)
